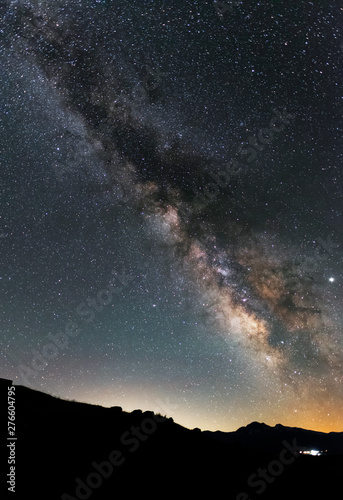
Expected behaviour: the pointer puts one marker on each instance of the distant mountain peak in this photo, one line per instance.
(255, 426)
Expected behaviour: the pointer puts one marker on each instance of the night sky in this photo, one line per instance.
(171, 207)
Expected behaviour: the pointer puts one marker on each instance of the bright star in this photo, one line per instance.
(331, 280)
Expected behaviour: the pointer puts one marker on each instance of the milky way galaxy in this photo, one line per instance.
(172, 207)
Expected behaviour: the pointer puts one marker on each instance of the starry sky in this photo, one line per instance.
(171, 207)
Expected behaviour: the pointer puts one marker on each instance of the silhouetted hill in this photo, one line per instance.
(68, 450)
(260, 436)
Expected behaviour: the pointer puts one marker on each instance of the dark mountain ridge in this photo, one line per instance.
(260, 436)
(69, 450)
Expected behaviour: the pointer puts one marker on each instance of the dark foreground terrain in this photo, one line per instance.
(68, 450)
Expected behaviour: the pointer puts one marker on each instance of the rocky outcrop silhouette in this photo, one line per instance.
(69, 450)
